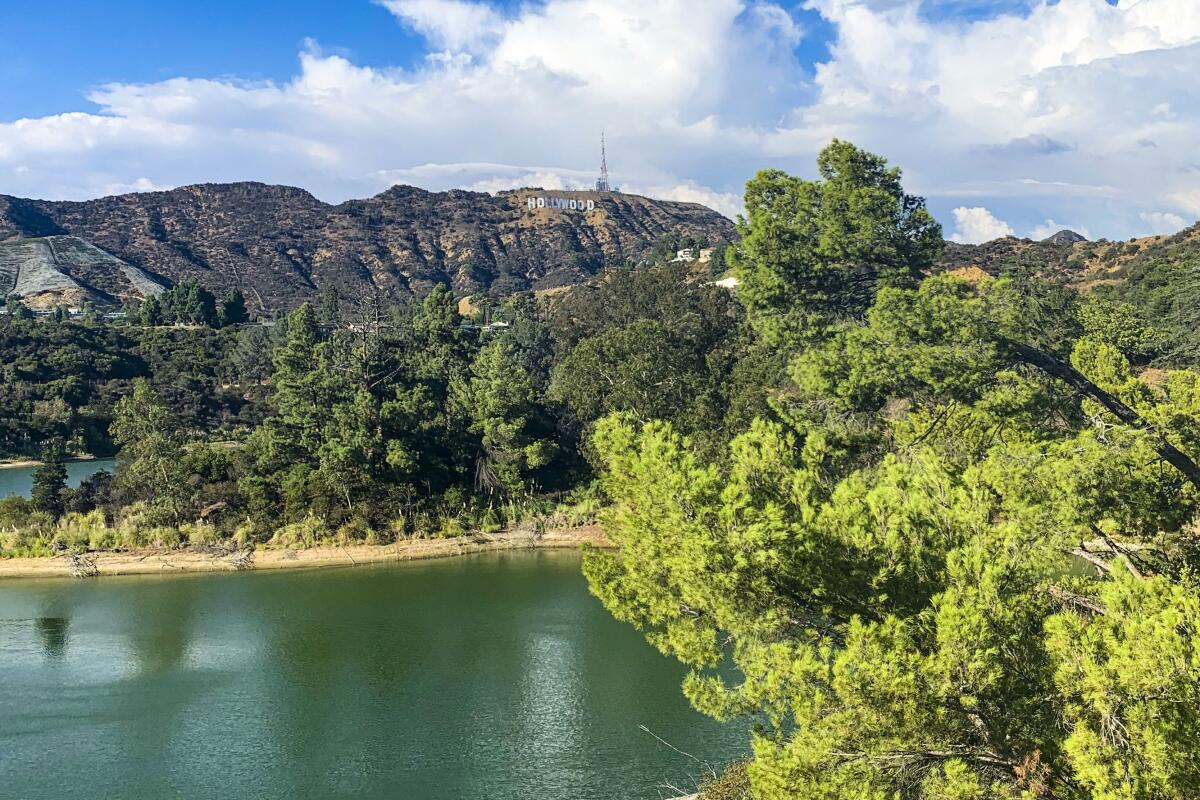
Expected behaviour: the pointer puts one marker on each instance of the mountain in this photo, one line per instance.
(1067, 257)
(282, 246)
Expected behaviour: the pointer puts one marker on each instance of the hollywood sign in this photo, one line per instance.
(560, 202)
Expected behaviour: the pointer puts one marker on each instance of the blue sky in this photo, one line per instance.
(1012, 116)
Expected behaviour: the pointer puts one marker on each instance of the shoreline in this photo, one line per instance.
(33, 462)
(191, 561)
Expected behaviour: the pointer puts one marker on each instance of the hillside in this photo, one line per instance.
(281, 246)
(1069, 258)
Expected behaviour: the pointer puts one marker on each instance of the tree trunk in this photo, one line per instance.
(1077, 380)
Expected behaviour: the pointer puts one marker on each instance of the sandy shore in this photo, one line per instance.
(17, 464)
(167, 562)
(33, 462)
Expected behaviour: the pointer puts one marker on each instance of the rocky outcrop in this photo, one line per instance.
(1065, 237)
(281, 246)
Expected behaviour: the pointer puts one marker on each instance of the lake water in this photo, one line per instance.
(494, 676)
(19, 480)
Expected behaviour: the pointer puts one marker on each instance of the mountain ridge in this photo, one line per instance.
(280, 245)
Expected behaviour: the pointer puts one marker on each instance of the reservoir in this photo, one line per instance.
(19, 480)
(491, 676)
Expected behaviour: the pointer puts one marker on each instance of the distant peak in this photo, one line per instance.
(1064, 237)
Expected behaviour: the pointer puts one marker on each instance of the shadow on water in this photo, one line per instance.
(53, 632)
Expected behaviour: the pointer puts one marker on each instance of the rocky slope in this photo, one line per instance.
(281, 246)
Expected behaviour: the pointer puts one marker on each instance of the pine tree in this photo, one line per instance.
(50, 481)
(963, 566)
(233, 309)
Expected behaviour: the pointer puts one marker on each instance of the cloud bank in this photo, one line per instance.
(1024, 114)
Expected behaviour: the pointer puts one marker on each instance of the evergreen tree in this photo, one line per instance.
(233, 309)
(18, 310)
(813, 252)
(150, 463)
(963, 566)
(50, 481)
(150, 313)
(513, 433)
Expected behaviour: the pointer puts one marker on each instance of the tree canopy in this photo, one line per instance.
(959, 564)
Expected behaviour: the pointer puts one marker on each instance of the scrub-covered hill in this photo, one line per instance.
(281, 246)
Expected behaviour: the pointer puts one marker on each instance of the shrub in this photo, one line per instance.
(199, 533)
(450, 527)
(14, 512)
(300, 535)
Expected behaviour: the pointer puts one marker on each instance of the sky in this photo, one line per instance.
(1012, 117)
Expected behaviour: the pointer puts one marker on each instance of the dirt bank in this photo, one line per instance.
(167, 562)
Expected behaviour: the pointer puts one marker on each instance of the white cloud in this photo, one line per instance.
(1163, 221)
(728, 203)
(1072, 109)
(452, 24)
(1187, 200)
(977, 225)
(1050, 227)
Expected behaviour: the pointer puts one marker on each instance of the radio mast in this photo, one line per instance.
(602, 184)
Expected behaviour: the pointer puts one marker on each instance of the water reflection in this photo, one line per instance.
(53, 634)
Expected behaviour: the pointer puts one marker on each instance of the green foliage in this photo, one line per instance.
(957, 564)
(814, 252)
(500, 401)
(50, 481)
(1163, 284)
(732, 784)
(232, 310)
(150, 466)
(1121, 325)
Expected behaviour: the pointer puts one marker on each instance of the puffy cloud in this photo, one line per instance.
(530, 103)
(1163, 221)
(1073, 109)
(977, 225)
(452, 24)
(727, 203)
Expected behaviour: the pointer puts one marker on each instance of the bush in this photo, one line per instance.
(14, 512)
(85, 531)
(300, 535)
(200, 534)
(450, 528)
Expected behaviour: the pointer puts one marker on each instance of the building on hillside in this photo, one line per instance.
(701, 256)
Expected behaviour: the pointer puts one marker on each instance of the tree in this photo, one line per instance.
(195, 304)
(150, 313)
(50, 480)
(962, 565)
(814, 252)
(642, 369)
(233, 309)
(150, 463)
(500, 401)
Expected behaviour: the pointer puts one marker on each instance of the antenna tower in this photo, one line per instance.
(602, 185)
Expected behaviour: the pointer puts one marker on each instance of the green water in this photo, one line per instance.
(493, 676)
(19, 480)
